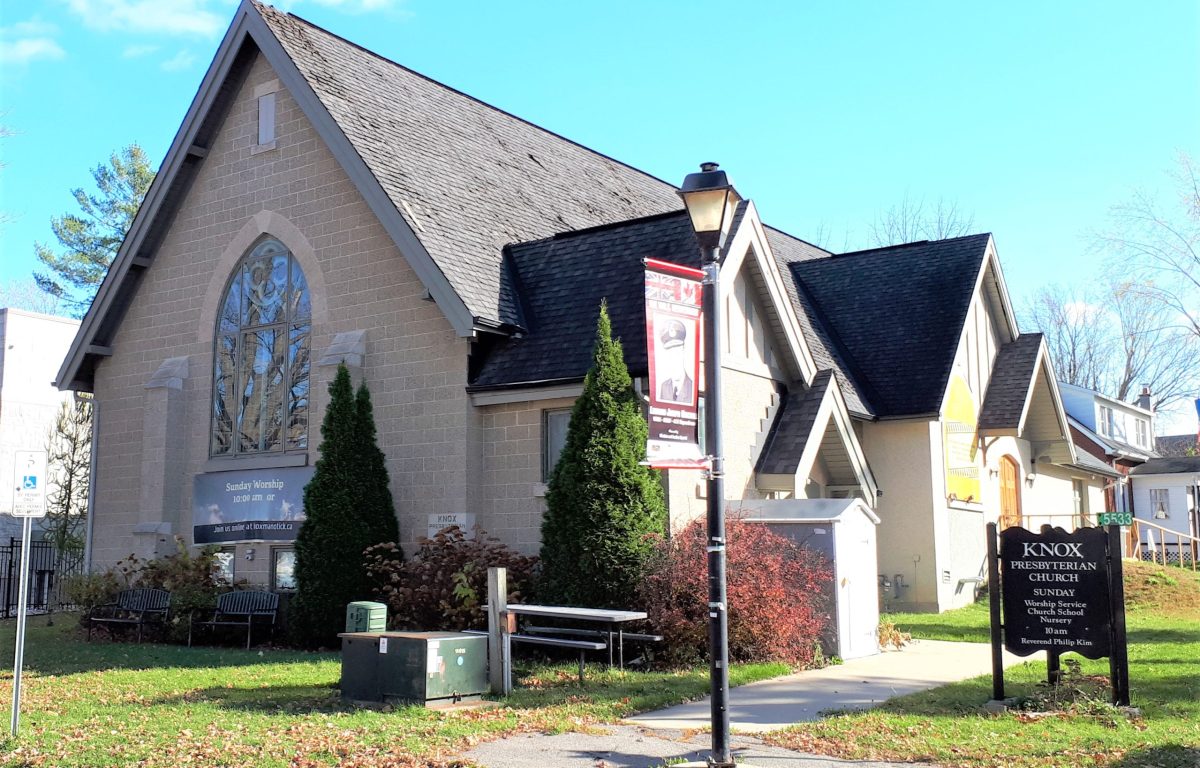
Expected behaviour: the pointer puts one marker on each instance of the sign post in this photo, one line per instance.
(29, 501)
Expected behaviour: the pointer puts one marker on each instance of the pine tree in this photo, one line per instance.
(602, 507)
(91, 238)
(347, 507)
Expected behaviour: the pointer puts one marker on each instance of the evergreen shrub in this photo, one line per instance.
(444, 585)
(778, 596)
(348, 508)
(603, 508)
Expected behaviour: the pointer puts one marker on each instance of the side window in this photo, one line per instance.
(266, 119)
(1160, 503)
(554, 438)
(283, 569)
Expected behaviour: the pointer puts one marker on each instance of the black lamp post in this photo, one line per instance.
(712, 202)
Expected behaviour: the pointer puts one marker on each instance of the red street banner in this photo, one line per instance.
(673, 296)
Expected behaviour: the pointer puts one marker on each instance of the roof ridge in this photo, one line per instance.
(261, 6)
(789, 235)
(911, 244)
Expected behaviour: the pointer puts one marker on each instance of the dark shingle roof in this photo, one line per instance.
(896, 314)
(793, 427)
(788, 249)
(1168, 466)
(468, 178)
(562, 282)
(1009, 385)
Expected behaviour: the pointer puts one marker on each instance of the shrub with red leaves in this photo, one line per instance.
(778, 603)
(444, 585)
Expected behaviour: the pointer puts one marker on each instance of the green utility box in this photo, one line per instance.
(366, 617)
(422, 667)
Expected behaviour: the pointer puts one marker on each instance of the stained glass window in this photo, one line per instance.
(261, 356)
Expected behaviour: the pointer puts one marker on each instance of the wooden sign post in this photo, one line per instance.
(1059, 592)
(499, 660)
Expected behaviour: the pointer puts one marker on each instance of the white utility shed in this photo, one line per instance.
(843, 530)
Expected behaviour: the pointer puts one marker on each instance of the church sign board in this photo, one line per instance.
(1060, 591)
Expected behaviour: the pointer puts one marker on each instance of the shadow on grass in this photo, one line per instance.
(270, 700)
(62, 650)
(1167, 756)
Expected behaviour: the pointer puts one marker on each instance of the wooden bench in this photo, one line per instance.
(134, 607)
(239, 609)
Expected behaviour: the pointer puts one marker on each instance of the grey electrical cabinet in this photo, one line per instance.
(416, 667)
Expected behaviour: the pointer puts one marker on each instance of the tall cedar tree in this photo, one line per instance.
(603, 508)
(348, 508)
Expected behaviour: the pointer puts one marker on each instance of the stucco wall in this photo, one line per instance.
(414, 364)
(900, 455)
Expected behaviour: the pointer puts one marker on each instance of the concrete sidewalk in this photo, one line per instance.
(857, 684)
(655, 738)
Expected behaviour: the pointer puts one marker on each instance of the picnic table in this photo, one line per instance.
(613, 621)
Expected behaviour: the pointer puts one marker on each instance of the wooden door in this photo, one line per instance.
(1010, 493)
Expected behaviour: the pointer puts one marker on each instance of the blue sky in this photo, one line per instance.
(1033, 117)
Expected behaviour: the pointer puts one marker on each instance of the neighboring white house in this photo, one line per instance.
(1119, 434)
(1164, 495)
(32, 346)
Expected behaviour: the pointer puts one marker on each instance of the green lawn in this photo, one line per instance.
(117, 704)
(946, 725)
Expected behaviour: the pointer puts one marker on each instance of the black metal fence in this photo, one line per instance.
(47, 572)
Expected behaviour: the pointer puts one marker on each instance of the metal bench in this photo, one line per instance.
(621, 636)
(134, 607)
(239, 609)
(583, 646)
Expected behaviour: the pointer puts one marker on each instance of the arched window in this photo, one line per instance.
(261, 356)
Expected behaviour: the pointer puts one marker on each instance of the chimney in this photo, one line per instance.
(1143, 400)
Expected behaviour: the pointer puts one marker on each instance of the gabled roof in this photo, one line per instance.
(1011, 381)
(896, 314)
(562, 281)
(821, 345)
(793, 428)
(469, 178)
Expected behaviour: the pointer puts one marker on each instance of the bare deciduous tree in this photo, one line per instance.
(1160, 244)
(68, 469)
(25, 294)
(912, 220)
(1114, 341)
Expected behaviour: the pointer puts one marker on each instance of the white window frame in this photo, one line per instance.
(1105, 422)
(1160, 496)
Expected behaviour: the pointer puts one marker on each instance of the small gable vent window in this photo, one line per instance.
(261, 357)
(266, 119)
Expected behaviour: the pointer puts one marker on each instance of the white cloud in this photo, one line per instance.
(179, 62)
(172, 17)
(28, 41)
(137, 51)
(22, 51)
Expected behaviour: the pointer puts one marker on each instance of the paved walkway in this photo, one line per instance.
(857, 684)
(652, 739)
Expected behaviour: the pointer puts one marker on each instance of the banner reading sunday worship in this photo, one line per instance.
(249, 505)
(673, 304)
